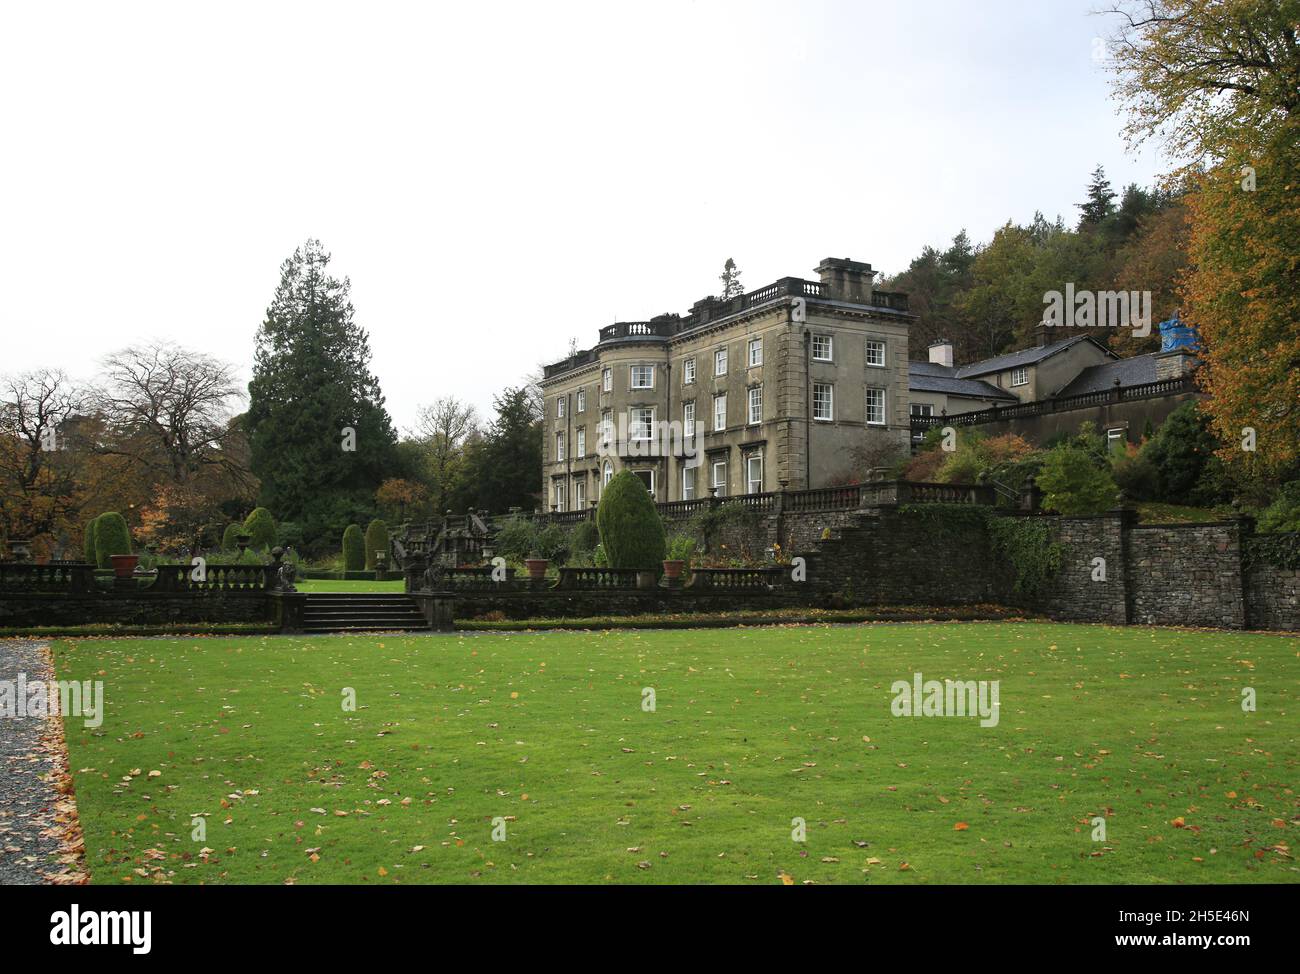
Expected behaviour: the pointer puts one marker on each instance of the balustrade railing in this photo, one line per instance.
(21, 577)
(738, 579)
(580, 579)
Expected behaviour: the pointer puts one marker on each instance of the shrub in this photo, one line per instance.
(1027, 544)
(111, 538)
(681, 547)
(631, 532)
(88, 542)
(1284, 513)
(515, 540)
(230, 537)
(1074, 483)
(354, 549)
(1135, 474)
(1182, 453)
(552, 542)
(288, 534)
(584, 537)
(376, 541)
(260, 528)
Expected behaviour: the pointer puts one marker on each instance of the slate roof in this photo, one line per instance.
(929, 377)
(1099, 378)
(1026, 356)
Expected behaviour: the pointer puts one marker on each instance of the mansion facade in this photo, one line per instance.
(773, 388)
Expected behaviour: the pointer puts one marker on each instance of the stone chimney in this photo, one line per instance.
(847, 280)
(1175, 362)
(941, 353)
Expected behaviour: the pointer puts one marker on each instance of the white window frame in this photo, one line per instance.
(580, 447)
(559, 406)
(688, 372)
(582, 400)
(1116, 436)
(559, 447)
(1020, 376)
(607, 380)
(580, 494)
(750, 482)
(632, 372)
(875, 345)
(607, 427)
(653, 478)
(920, 409)
(754, 398)
(688, 419)
(561, 493)
(720, 361)
(719, 400)
(884, 404)
(755, 352)
(688, 483)
(637, 425)
(829, 400)
(606, 475)
(713, 476)
(829, 348)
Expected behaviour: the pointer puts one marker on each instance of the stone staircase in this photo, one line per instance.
(361, 612)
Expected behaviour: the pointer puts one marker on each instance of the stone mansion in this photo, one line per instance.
(792, 385)
(773, 387)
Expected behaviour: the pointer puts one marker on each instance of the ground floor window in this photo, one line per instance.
(921, 409)
(580, 494)
(607, 475)
(876, 407)
(754, 473)
(560, 494)
(719, 477)
(1116, 438)
(647, 477)
(688, 483)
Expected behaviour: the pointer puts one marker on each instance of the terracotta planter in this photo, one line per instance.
(536, 568)
(673, 567)
(124, 565)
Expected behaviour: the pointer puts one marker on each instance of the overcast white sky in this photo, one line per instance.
(497, 177)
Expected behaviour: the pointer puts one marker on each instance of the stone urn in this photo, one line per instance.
(20, 551)
(536, 568)
(124, 565)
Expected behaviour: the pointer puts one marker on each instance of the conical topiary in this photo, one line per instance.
(631, 531)
(354, 549)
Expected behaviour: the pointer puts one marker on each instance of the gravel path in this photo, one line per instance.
(28, 846)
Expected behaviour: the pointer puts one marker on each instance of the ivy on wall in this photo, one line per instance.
(1025, 543)
(1278, 550)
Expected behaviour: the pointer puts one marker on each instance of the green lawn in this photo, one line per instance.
(332, 585)
(752, 728)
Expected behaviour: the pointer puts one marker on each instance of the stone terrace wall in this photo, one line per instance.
(1187, 575)
(1073, 595)
(139, 608)
(1273, 598)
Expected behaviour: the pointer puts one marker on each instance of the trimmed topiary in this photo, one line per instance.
(111, 538)
(631, 531)
(376, 541)
(260, 528)
(88, 543)
(354, 549)
(230, 537)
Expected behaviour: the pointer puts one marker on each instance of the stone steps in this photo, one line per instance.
(361, 612)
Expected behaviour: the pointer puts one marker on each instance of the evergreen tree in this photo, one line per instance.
(1100, 203)
(504, 465)
(730, 278)
(312, 398)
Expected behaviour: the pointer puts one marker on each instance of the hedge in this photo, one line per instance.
(354, 549)
(230, 537)
(111, 538)
(260, 528)
(88, 543)
(376, 541)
